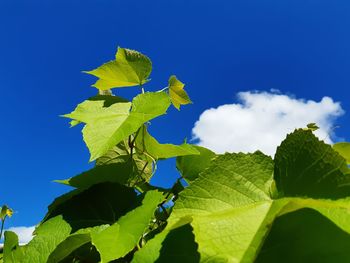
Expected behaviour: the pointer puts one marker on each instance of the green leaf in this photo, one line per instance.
(232, 210)
(72, 243)
(130, 68)
(305, 236)
(115, 173)
(47, 237)
(146, 143)
(225, 200)
(190, 166)
(142, 168)
(312, 127)
(12, 250)
(91, 111)
(305, 166)
(177, 93)
(100, 204)
(120, 238)
(343, 148)
(178, 245)
(107, 126)
(115, 166)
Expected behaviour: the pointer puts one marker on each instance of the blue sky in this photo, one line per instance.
(218, 48)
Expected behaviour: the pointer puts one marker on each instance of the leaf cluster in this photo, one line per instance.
(232, 207)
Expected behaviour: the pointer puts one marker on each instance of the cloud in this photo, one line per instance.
(261, 120)
(24, 233)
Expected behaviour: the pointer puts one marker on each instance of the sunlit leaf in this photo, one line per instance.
(232, 210)
(177, 93)
(130, 68)
(146, 143)
(107, 126)
(47, 237)
(343, 148)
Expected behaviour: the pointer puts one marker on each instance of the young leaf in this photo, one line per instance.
(343, 148)
(107, 126)
(120, 238)
(312, 127)
(130, 68)
(177, 93)
(146, 143)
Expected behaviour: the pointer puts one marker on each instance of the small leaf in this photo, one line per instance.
(191, 165)
(312, 127)
(177, 93)
(343, 148)
(146, 143)
(130, 68)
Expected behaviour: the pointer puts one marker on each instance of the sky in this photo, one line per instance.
(255, 70)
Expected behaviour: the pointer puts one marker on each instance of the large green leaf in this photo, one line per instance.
(100, 204)
(191, 165)
(130, 68)
(232, 210)
(120, 238)
(177, 93)
(305, 166)
(47, 237)
(107, 126)
(146, 143)
(343, 148)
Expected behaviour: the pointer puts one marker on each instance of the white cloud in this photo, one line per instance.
(24, 233)
(261, 121)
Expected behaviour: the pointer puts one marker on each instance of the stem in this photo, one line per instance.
(137, 133)
(2, 226)
(142, 89)
(131, 146)
(163, 89)
(164, 210)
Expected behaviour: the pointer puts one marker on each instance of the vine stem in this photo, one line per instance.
(2, 226)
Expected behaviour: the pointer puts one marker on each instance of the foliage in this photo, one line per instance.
(233, 207)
